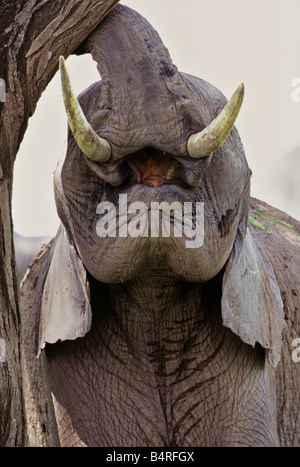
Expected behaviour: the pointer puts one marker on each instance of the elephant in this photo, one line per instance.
(144, 339)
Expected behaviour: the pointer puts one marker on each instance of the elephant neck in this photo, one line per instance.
(154, 308)
(157, 315)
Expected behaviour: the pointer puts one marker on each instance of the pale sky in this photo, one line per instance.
(225, 42)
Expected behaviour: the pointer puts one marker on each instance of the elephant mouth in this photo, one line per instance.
(147, 167)
(153, 168)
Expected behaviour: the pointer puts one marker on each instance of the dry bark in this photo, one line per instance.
(33, 33)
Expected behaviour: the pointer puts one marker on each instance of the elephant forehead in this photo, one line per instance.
(144, 117)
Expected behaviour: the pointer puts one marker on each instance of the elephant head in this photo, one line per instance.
(156, 135)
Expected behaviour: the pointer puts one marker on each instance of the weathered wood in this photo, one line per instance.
(33, 33)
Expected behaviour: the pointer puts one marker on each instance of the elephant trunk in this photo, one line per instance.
(142, 100)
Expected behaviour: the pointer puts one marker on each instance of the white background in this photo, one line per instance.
(225, 42)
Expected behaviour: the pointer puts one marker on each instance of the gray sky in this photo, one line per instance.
(225, 42)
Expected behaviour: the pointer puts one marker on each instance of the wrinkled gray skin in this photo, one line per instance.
(184, 345)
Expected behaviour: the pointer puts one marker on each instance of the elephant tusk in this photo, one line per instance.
(213, 136)
(93, 146)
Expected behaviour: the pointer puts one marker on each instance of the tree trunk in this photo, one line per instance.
(33, 34)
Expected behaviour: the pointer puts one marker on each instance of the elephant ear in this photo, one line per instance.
(65, 303)
(251, 301)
